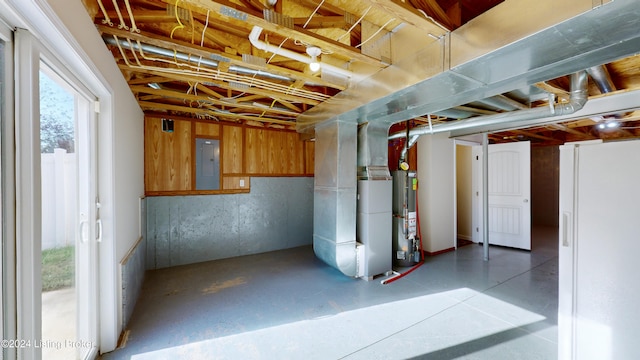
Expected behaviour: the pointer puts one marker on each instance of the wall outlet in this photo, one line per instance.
(241, 182)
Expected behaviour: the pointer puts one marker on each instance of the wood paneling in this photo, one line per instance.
(309, 157)
(296, 151)
(233, 182)
(274, 153)
(207, 129)
(245, 152)
(168, 159)
(256, 156)
(232, 149)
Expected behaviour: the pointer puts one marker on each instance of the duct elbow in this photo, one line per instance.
(578, 97)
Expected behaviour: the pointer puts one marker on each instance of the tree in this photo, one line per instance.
(56, 116)
(55, 134)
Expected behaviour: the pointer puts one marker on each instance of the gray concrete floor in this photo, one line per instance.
(289, 305)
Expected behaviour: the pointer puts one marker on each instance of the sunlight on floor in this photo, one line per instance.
(423, 325)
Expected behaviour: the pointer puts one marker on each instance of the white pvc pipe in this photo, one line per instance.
(254, 38)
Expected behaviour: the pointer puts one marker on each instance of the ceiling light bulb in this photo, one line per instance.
(601, 126)
(314, 65)
(314, 52)
(612, 124)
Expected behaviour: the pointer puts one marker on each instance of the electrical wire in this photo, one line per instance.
(313, 13)
(180, 26)
(193, 70)
(122, 24)
(355, 24)
(375, 33)
(134, 28)
(106, 19)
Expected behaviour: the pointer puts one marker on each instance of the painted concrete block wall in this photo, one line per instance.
(132, 271)
(276, 214)
(436, 186)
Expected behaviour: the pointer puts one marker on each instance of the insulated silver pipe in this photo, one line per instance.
(193, 59)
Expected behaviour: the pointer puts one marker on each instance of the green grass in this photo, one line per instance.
(58, 268)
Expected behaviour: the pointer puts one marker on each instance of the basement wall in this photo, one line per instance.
(132, 271)
(276, 214)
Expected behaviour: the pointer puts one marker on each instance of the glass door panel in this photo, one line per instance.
(68, 220)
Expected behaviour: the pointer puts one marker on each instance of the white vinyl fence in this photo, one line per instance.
(59, 199)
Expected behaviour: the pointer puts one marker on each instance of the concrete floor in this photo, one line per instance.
(58, 324)
(289, 305)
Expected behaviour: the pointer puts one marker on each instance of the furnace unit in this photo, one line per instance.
(373, 227)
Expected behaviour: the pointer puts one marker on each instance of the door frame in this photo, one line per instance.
(470, 142)
(8, 303)
(28, 193)
(38, 17)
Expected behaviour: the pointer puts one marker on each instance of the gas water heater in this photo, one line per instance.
(406, 243)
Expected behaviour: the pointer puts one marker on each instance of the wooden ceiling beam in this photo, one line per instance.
(191, 97)
(558, 92)
(534, 135)
(569, 130)
(237, 16)
(147, 80)
(254, 4)
(196, 50)
(321, 22)
(145, 105)
(433, 9)
(220, 84)
(408, 14)
(326, 9)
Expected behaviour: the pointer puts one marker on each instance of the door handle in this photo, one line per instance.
(526, 200)
(99, 230)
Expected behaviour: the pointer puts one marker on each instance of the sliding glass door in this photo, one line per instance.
(57, 208)
(70, 227)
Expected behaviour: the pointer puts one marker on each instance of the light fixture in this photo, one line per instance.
(608, 125)
(314, 52)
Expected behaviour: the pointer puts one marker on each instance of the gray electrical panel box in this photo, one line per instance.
(207, 164)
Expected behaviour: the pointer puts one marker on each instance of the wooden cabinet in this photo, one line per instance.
(244, 152)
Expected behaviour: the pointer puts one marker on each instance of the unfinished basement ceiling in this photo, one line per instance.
(215, 60)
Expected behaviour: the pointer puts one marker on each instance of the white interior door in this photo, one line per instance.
(509, 195)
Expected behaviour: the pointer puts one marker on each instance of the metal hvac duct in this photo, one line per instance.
(576, 101)
(499, 51)
(601, 76)
(334, 195)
